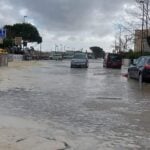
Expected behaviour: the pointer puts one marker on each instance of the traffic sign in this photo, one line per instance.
(2, 33)
(18, 40)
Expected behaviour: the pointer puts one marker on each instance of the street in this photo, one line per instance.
(94, 108)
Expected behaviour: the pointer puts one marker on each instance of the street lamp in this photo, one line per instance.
(25, 19)
(64, 48)
(142, 36)
(56, 46)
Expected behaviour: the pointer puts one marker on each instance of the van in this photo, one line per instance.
(112, 60)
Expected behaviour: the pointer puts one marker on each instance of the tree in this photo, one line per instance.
(97, 51)
(9, 31)
(28, 32)
(131, 22)
(39, 39)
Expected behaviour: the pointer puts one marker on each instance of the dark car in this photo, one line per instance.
(140, 69)
(112, 60)
(79, 60)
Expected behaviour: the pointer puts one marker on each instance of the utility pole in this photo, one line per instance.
(147, 17)
(61, 47)
(126, 43)
(120, 41)
(56, 46)
(142, 34)
(64, 48)
(40, 50)
(115, 46)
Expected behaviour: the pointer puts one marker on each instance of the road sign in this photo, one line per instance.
(2, 33)
(18, 40)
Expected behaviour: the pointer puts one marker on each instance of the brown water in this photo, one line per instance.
(92, 108)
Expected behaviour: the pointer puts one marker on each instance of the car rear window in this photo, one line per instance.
(115, 57)
(79, 56)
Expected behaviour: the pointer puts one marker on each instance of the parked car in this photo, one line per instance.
(112, 60)
(79, 60)
(140, 69)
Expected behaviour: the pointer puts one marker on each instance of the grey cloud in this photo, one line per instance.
(70, 18)
(68, 15)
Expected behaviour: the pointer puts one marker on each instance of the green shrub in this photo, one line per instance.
(134, 55)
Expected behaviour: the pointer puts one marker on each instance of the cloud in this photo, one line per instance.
(67, 21)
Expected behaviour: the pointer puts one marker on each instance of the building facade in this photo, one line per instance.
(140, 44)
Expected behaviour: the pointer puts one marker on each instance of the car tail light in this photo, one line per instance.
(147, 67)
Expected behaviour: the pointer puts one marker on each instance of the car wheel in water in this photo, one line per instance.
(103, 65)
(86, 66)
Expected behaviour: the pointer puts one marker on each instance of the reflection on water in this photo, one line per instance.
(94, 102)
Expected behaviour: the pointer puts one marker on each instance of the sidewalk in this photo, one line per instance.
(22, 63)
(21, 134)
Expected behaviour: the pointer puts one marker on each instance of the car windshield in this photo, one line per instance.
(79, 56)
(115, 57)
(138, 60)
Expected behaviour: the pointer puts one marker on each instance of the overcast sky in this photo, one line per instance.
(75, 24)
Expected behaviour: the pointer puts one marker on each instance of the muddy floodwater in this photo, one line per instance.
(94, 108)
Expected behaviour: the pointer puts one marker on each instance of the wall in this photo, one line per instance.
(3, 60)
(12, 57)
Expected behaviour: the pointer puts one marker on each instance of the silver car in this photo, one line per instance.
(79, 60)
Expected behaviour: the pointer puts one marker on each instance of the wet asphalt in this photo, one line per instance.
(94, 102)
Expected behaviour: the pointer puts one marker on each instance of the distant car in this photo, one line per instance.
(79, 60)
(112, 60)
(140, 69)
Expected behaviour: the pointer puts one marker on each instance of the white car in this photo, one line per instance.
(79, 60)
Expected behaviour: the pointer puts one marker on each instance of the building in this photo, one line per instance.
(69, 54)
(139, 43)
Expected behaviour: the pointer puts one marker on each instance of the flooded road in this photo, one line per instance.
(94, 108)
